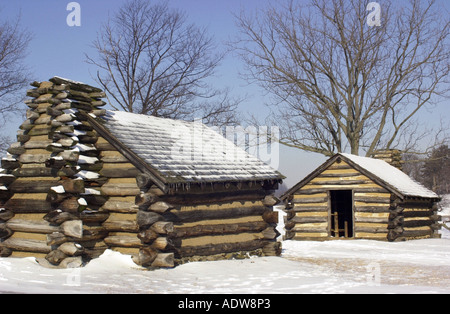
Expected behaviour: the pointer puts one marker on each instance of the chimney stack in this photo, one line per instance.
(391, 156)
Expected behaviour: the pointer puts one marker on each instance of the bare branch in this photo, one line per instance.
(14, 75)
(151, 61)
(340, 83)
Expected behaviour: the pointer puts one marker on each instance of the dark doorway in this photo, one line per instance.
(341, 213)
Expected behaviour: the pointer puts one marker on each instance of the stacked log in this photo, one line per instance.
(156, 247)
(5, 214)
(225, 226)
(307, 215)
(391, 156)
(69, 191)
(413, 219)
(377, 213)
(308, 209)
(131, 224)
(28, 192)
(52, 161)
(119, 190)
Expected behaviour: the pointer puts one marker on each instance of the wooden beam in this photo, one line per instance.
(22, 225)
(26, 245)
(197, 215)
(212, 249)
(218, 229)
(123, 240)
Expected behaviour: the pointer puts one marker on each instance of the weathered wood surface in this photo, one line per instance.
(164, 260)
(218, 229)
(121, 205)
(72, 205)
(212, 249)
(162, 227)
(160, 207)
(26, 245)
(22, 204)
(10, 164)
(23, 225)
(120, 189)
(112, 156)
(119, 170)
(5, 232)
(196, 215)
(114, 223)
(146, 256)
(144, 181)
(6, 215)
(145, 199)
(131, 213)
(55, 257)
(147, 236)
(162, 243)
(93, 216)
(272, 248)
(35, 172)
(58, 217)
(73, 228)
(123, 240)
(147, 219)
(213, 198)
(310, 205)
(7, 180)
(33, 185)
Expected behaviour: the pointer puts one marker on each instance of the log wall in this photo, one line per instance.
(221, 228)
(43, 212)
(414, 219)
(377, 213)
(120, 189)
(175, 228)
(68, 194)
(309, 208)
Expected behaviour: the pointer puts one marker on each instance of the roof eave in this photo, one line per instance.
(373, 177)
(309, 177)
(331, 160)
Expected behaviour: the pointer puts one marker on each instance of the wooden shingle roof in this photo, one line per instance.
(176, 151)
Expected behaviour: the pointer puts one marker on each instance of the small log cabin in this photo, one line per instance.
(361, 198)
(81, 179)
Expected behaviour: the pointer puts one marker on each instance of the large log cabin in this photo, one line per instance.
(353, 197)
(81, 179)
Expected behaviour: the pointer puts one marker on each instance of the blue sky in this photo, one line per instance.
(58, 50)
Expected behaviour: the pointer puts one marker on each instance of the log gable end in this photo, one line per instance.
(71, 188)
(377, 209)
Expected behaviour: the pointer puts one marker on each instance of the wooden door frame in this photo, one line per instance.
(330, 217)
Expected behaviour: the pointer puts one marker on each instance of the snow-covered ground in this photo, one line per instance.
(341, 266)
(347, 266)
(445, 205)
(445, 213)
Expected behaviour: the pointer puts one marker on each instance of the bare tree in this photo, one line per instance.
(435, 170)
(151, 61)
(13, 73)
(340, 83)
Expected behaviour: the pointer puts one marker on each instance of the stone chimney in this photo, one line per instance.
(391, 156)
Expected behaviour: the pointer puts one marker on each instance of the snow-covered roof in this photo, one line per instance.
(391, 176)
(185, 151)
